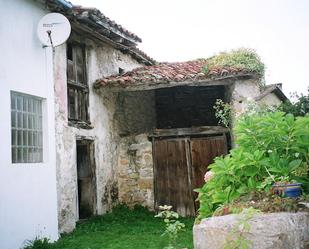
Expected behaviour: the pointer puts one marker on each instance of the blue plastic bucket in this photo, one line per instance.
(292, 190)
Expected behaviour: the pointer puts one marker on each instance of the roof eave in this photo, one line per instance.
(123, 48)
(273, 89)
(150, 85)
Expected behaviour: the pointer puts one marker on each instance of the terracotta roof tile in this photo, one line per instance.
(94, 19)
(189, 71)
(87, 11)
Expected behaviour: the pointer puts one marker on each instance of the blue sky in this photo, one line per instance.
(183, 30)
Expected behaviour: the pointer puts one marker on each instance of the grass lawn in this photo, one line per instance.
(122, 229)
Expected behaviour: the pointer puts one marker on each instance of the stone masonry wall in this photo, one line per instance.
(135, 112)
(135, 171)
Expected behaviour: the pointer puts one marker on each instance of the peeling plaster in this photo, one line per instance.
(102, 60)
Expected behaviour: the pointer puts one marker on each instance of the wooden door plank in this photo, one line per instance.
(172, 180)
(203, 152)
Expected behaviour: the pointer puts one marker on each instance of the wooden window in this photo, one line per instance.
(78, 90)
(26, 128)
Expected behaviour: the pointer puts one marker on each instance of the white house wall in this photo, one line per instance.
(28, 201)
(270, 100)
(102, 60)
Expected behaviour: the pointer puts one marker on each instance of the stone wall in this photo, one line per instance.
(135, 112)
(135, 171)
(102, 60)
(266, 231)
(242, 93)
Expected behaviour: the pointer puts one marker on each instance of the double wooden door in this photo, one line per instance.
(179, 167)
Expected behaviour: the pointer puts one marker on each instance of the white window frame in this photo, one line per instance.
(26, 128)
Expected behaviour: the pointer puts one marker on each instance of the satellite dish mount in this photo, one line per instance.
(53, 30)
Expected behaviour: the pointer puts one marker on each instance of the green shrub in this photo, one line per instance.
(300, 107)
(271, 146)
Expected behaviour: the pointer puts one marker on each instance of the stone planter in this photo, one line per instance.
(267, 231)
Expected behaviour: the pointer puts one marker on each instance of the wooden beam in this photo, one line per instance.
(201, 130)
(144, 86)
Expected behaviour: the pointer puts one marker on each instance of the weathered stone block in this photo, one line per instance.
(124, 162)
(267, 231)
(146, 173)
(145, 183)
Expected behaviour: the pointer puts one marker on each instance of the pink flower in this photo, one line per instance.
(208, 176)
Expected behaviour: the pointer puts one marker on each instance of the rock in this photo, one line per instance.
(267, 231)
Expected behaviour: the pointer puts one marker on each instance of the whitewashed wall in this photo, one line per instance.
(28, 201)
(102, 60)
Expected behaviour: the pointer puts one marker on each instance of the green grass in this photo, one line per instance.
(122, 229)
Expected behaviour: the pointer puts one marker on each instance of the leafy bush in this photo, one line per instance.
(242, 59)
(300, 107)
(271, 146)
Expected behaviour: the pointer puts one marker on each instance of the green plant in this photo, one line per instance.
(271, 145)
(299, 107)
(172, 225)
(38, 243)
(236, 239)
(240, 59)
(264, 201)
(223, 112)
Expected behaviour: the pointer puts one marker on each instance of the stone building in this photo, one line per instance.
(167, 130)
(113, 127)
(86, 136)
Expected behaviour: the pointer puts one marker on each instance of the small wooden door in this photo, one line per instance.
(180, 166)
(203, 152)
(172, 177)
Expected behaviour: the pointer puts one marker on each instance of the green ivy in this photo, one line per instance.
(270, 146)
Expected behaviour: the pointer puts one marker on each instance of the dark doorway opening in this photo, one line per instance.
(181, 107)
(86, 178)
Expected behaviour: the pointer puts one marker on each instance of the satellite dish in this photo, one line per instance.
(53, 29)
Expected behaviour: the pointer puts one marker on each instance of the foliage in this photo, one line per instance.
(172, 225)
(236, 238)
(223, 112)
(37, 244)
(266, 202)
(122, 228)
(242, 59)
(300, 107)
(271, 145)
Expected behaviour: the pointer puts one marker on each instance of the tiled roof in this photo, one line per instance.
(95, 21)
(189, 71)
(97, 16)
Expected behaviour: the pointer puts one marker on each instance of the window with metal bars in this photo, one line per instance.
(26, 128)
(78, 90)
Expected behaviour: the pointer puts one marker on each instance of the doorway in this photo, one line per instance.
(86, 179)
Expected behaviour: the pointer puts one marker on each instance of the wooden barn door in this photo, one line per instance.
(172, 175)
(203, 152)
(180, 166)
